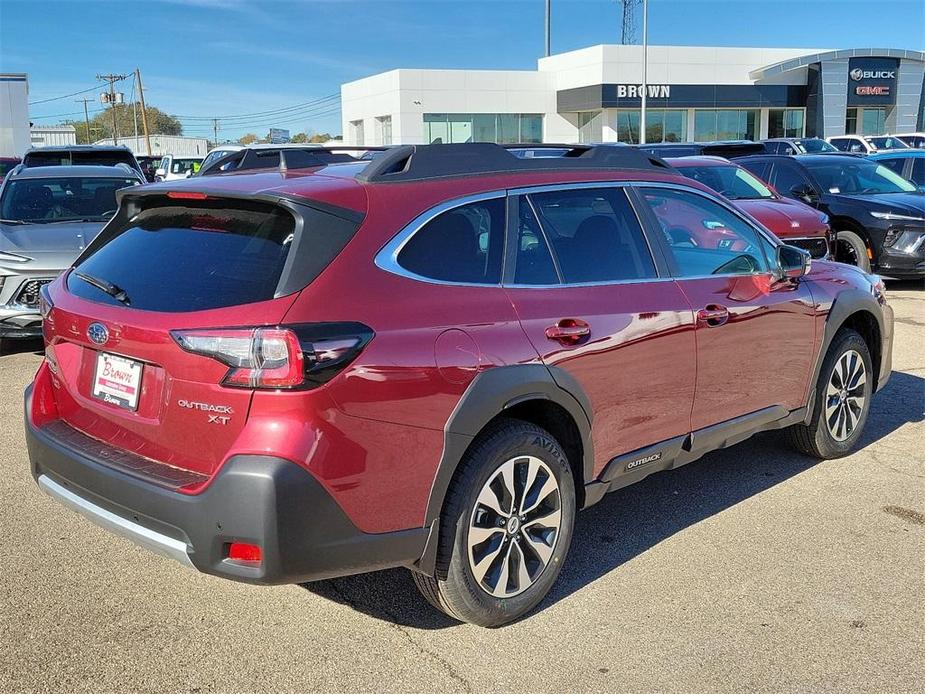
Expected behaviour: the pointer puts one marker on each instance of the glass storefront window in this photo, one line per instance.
(589, 127)
(725, 124)
(358, 137)
(785, 122)
(662, 125)
(483, 127)
(851, 121)
(873, 121)
(385, 130)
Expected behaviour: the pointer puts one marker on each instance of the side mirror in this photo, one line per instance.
(804, 192)
(793, 262)
(160, 172)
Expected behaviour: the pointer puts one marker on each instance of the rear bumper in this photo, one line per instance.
(256, 499)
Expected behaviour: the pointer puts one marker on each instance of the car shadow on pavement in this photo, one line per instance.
(630, 521)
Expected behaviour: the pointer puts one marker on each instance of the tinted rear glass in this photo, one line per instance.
(180, 259)
(95, 158)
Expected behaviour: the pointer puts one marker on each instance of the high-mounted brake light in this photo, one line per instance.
(184, 195)
(293, 357)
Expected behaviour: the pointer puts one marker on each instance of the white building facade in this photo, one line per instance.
(14, 114)
(694, 94)
(52, 135)
(176, 145)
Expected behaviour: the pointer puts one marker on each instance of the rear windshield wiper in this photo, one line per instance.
(109, 288)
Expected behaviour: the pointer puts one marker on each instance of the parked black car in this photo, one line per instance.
(878, 216)
(75, 155)
(724, 148)
(798, 145)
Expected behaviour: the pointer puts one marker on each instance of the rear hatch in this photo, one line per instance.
(192, 271)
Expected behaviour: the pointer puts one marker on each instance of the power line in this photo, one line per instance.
(271, 119)
(271, 112)
(56, 98)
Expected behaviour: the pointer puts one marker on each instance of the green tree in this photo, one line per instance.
(320, 137)
(299, 138)
(159, 123)
(248, 139)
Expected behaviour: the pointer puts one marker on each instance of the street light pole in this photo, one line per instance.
(548, 27)
(645, 75)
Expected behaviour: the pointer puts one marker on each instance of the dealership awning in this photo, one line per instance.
(804, 60)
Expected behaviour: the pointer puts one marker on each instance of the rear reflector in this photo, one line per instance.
(245, 553)
(181, 195)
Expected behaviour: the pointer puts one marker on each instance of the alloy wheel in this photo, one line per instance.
(514, 526)
(844, 395)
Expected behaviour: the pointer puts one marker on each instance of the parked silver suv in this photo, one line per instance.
(48, 214)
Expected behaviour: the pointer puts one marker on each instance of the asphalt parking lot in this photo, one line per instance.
(754, 569)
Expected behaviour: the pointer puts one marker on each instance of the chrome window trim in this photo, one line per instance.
(387, 257)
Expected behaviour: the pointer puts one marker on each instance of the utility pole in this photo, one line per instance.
(112, 79)
(86, 115)
(548, 25)
(628, 31)
(144, 111)
(645, 73)
(214, 132)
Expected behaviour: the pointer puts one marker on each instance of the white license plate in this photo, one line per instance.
(117, 380)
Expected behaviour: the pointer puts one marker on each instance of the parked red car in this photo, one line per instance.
(792, 221)
(432, 359)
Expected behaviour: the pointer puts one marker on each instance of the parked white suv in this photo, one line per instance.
(866, 144)
(173, 167)
(915, 140)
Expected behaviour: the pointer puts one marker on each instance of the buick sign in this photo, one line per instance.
(98, 333)
(858, 74)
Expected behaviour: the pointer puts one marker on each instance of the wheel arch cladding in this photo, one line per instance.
(858, 311)
(531, 392)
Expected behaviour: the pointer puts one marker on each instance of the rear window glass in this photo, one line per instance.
(95, 158)
(191, 259)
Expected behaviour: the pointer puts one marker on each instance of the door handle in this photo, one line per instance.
(568, 331)
(713, 315)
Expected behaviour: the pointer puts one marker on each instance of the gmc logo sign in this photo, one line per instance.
(872, 91)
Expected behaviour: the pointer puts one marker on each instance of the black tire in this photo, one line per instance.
(456, 590)
(851, 249)
(816, 438)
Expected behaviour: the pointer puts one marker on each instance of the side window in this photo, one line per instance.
(463, 245)
(595, 235)
(786, 178)
(761, 169)
(840, 143)
(533, 265)
(918, 171)
(893, 164)
(704, 237)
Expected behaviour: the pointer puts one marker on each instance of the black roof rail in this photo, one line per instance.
(285, 157)
(421, 162)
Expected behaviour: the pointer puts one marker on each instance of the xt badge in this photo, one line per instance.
(218, 414)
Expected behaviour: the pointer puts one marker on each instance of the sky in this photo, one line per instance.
(231, 59)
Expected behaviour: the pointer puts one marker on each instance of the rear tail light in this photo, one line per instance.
(293, 357)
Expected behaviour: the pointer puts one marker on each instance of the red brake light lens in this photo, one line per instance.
(245, 553)
(304, 356)
(184, 195)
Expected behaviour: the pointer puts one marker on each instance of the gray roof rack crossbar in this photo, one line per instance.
(422, 162)
(287, 157)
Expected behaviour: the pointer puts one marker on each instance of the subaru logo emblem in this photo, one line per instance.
(98, 333)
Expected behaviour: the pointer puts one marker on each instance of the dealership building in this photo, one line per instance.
(693, 94)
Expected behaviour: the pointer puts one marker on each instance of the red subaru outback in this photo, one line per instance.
(432, 359)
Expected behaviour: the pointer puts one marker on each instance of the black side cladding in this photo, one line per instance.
(423, 162)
